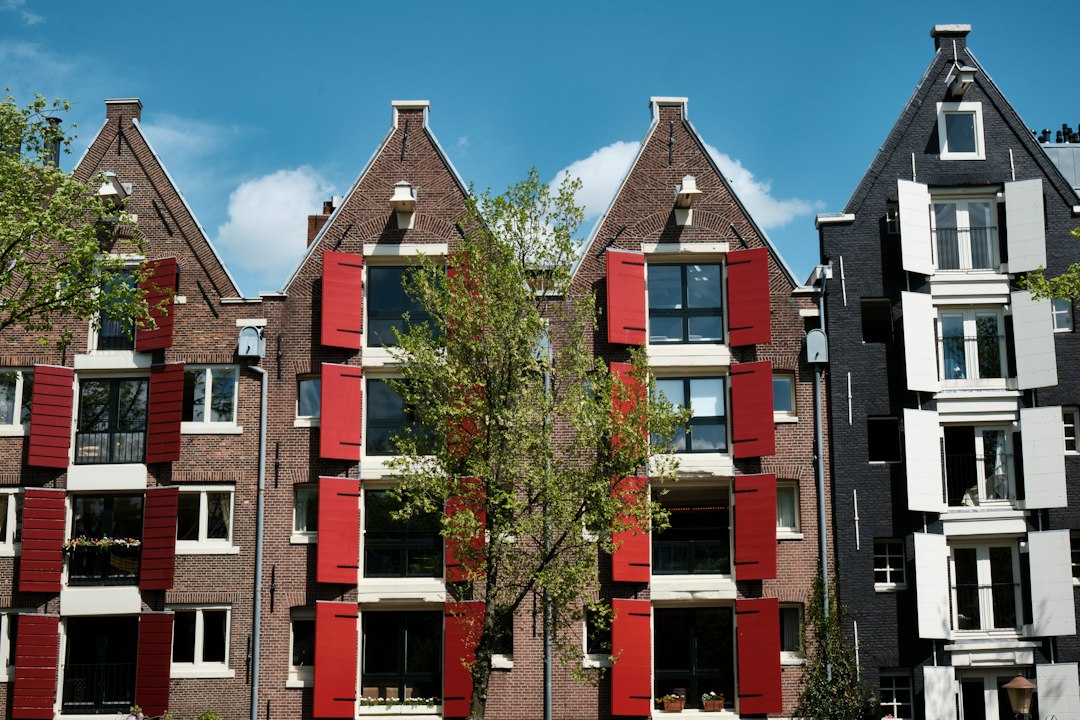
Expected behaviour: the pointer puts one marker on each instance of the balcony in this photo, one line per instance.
(971, 480)
(690, 557)
(110, 447)
(972, 248)
(987, 607)
(112, 566)
(98, 688)
(972, 360)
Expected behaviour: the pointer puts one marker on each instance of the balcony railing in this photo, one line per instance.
(98, 688)
(112, 566)
(689, 557)
(1000, 598)
(972, 479)
(110, 447)
(966, 248)
(116, 335)
(972, 358)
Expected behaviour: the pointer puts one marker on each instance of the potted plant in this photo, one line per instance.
(712, 701)
(673, 702)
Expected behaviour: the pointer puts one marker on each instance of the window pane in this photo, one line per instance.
(785, 507)
(703, 329)
(960, 132)
(223, 388)
(4, 498)
(665, 287)
(184, 636)
(952, 333)
(88, 516)
(968, 615)
(307, 509)
(1063, 314)
(423, 643)
(93, 405)
(303, 643)
(194, 395)
(382, 643)
(671, 390)
(664, 329)
(187, 516)
(386, 417)
(127, 516)
(309, 397)
(131, 405)
(28, 394)
(783, 402)
(7, 397)
(703, 287)
(790, 633)
(214, 631)
(218, 515)
(948, 242)
(707, 397)
(986, 328)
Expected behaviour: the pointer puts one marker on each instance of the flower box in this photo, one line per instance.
(713, 705)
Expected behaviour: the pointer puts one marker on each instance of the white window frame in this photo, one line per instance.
(16, 428)
(8, 619)
(892, 707)
(8, 546)
(1074, 546)
(588, 659)
(785, 416)
(1070, 418)
(133, 264)
(892, 564)
(1061, 309)
(205, 545)
(963, 229)
(985, 580)
(299, 676)
(307, 420)
(302, 537)
(199, 669)
(221, 427)
(789, 657)
(970, 318)
(784, 532)
(945, 109)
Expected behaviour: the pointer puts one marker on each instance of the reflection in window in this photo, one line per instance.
(402, 655)
(399, 548)
(204, 516)
(308, 396)
(210, 395)
(112, 421)
(684, 303)
(16, 396)
(388, 304)
(386, 417)
(707, 430)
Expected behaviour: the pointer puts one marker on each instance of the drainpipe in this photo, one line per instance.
(823, 271)
(257, 605)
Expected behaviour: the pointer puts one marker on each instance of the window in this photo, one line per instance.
(707, 430)
(889, 569)
(783, 387)
(402, 655)
(112, 421)
(204, 519)
(693, 649)
(99, 665)
(9, 622)
(201, 642)
(115, 332)
(16, 396)
(1070, 416)
(301, 647)
(305, 513)
(118, 518)
(386, 417)
(960, 131)
(877, 326)
(697, 540)
(1062, 310)
(791, 651)
(308, 396)
(883, 439)
(504, 640)
(10, 520)
(895, 695)
(972, 348)
(986, 591)
(388, 304)
(965, 234)
(597, 634)
(1074, 545)
(399, 548)
(210, 395)
(978, 465)
(787, 509)
(685, 303)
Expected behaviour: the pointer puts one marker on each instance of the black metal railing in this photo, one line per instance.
(110, 446)
(966, 248)
(98, 688)
(116, 335)
(985, 349)
(1000, 597)
(690, 557)
(971, 479)
(96, 566)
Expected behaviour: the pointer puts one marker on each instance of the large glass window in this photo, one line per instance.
(210, 395)
(986, 591)
(895, 693)
(106, 534)
(978, 465)
(965, 235)
(693, 652)
(112, 421)
(386, 417)
(16, 394)
(707, 430)
(99, 665)
(972, 347)
(200, 641)
(685, 303)
(399, 548)
(388, 304)
(204, 517)
(402, 655)
(698, 540)
(115, 332)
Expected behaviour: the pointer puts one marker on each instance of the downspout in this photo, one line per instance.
(257, 605)
(819, 465)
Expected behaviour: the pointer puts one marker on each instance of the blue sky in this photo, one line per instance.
(261, 110)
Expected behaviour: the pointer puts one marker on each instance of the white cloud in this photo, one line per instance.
(180, 138)
(769, 211)
(267, 227)
(19, 7)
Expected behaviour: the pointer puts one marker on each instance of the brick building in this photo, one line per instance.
(953, 406)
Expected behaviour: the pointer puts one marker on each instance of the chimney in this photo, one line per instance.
(126, 108)
(315, 222)
(945, 36)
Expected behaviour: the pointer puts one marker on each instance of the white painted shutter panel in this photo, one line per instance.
(1050, 559)
(939, 692)
(932, 585)
(1033, 338)
(1043, 438)
(1025, 226)
(915, 246)
(922, 460)
(920, 347)
(1059, 691)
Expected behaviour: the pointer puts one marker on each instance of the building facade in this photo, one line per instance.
(953, 406)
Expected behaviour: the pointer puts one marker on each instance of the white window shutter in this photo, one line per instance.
(920, 347)
(1025, 225)
(1050, 559)
(922, 460)
(939, 692)
(932, 585)
(1033, 339)
(915, 246)
(1059, 691)
(1043, 439)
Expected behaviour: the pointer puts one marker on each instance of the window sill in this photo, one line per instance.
(783, 418)
(784, 534)
(304, 538)
(308, 422)
(113, 360)
(425, 711)
(107, 477)
(890, 587)
(792, 658)
(10, 549)
(596, 660)
(202, 672)
(300, 681)
(13, 430)
(187, 547)
(206, 428)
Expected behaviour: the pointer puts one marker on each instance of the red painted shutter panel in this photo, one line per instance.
(155, 658)
(37, 656)
(472, 500)
(758, 630)
(44, 526)
(165, 410)
(755, 527)
(631, 643)
(159, 285)
(50, 417)
(338, 551)
(157, 563)
(753, 431)
(624, 407)
(749, 316)
(631, 560)
(342, 394)
(335, 659)
(462, 622)
(342, 299)
(625, 297)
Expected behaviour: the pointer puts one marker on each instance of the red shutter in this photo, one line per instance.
(158, 557)
(337, 558)
(342, 299)
(159, 285)
(631, 645)
(625, 297)
(50, 416)
(43, 527)
(626, 395)
(462, 622)
(472, 500)
(758, 629)
(155, 658)
(631, 560)
(335, 659)
(342, 393)
(165, 410)
(753, 431)
(749, 316)
(37, 656)
(755, 527)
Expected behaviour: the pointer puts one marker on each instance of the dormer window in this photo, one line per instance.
(960, 131)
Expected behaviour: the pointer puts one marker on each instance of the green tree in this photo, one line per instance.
(525, 439)
(59, 253)
(831, 686)
(1065, 286)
